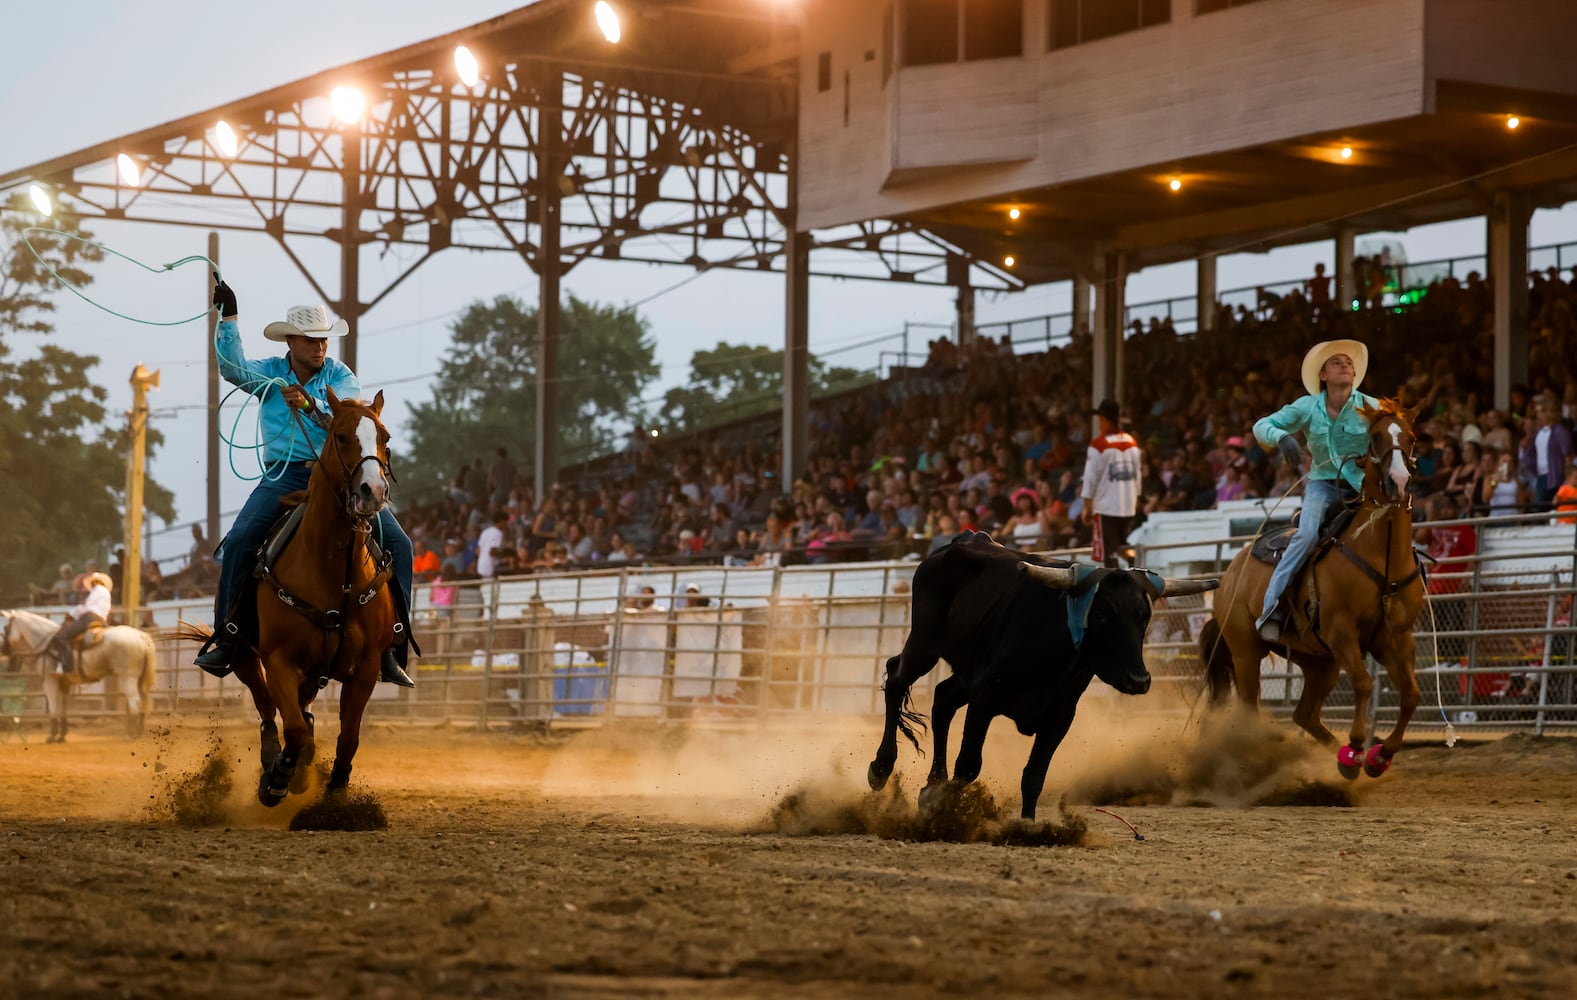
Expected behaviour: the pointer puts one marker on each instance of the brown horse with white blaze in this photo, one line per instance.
(1359, 596)
(325, 608)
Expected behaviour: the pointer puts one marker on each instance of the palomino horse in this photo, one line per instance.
(123, 657)
(1366, 592)
(324, 606)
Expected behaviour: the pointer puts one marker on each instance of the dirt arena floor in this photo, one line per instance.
(662, 863)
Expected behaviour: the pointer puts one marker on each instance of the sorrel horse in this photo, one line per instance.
(121, 657)
(1359, 596)
(325, 610)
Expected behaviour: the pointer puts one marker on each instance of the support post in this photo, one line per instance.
(1205, 294)
(211, 535)
(131, 578)
(350, 246)
(1346, 281)
(1110, 307)
(796, 341)
(1508, 275)
(966, 314)
(1081, 305)
(549, 126)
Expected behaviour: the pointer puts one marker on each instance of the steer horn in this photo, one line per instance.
(1056, 577)
(1182, 588)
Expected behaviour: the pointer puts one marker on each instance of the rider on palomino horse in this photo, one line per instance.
(94, 610)
(292, 441)
(1337, 436)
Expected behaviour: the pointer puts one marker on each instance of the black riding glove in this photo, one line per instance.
(1290, 451)
(224, 298)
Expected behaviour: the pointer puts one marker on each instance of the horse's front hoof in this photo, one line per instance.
(1349, 761)
(1376, 762)
(267, 795)
(876, 777)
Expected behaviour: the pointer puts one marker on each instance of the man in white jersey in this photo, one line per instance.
(1111, 484)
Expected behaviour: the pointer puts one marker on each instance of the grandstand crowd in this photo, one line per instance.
(983, 438)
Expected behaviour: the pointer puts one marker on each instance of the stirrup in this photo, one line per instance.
(1270, 626)
(215, 660)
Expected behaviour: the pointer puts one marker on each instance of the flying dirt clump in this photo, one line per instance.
(1234, 761)
(953, 814)
(346, 811)
(195, 798)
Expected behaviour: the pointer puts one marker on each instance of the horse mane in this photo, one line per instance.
(1386, 406)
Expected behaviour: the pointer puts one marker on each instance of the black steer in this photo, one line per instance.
(1006, 621)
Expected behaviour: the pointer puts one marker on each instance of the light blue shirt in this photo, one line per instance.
(280, 431)
(1335, 444)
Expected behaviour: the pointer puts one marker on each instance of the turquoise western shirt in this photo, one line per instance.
(1335, 444)
(280, 432)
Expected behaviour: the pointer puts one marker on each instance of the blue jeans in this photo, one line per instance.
(238, 554)
(1318, 496)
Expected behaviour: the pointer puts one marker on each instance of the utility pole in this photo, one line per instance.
(141, 381)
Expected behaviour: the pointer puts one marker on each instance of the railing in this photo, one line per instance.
(750, 645)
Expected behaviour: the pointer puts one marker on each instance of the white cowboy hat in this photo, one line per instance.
(1314, 361)
(306, 321)
(103, 578)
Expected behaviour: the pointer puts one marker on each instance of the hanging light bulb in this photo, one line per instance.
(608, 21)
(225, 140)
(129, 171)
(348, 104)
(466, 66)
(41, 201)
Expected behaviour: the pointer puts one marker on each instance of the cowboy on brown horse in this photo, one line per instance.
(294, 427)
(1337, 433)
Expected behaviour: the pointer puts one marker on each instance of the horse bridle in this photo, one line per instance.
(348, 495)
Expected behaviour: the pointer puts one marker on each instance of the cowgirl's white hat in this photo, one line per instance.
(306, 321)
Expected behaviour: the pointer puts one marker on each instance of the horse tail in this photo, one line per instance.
(193, 631)
(1216, 660)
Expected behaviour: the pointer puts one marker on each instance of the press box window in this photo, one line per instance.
(1074, 22)
(946, 31)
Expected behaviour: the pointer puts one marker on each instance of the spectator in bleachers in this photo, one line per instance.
(1546, 452)
(490, 545)
(1566, 496)
(947, 530)
(1507, 494)
(1024, 529)
(425, 563)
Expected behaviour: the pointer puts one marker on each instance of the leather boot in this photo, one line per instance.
(391, 671)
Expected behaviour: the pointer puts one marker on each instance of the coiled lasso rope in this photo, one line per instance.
(255, 388)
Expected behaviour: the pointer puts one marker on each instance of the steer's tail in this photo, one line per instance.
(1217, 662)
